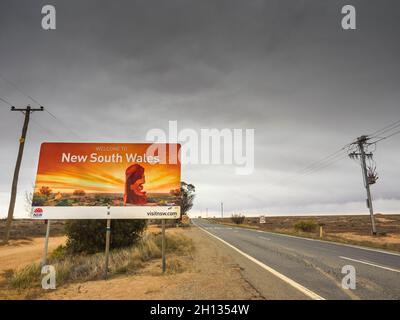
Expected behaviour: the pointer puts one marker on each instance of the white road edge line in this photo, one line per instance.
(370, 264)
(289, 281)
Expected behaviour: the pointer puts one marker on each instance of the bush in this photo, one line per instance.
(89, 236)
(237, 218)
(305, 225)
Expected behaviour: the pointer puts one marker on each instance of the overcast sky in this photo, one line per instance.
(112, 70)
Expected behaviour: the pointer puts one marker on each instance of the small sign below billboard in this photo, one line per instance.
(107, 181)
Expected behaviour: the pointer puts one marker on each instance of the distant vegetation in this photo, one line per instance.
(79, 193)
(26, 229)
(305, 225)
(237, 218)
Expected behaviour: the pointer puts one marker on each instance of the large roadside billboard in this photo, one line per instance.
(107, 181)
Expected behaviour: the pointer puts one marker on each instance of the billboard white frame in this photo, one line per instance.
(123, 212)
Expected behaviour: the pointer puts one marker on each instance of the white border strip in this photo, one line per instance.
(103, 212)
(289, 281)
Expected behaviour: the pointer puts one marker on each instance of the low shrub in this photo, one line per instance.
(89, 236)
(237, 218)
(305, 225)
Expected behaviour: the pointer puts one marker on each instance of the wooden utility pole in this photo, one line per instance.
(361, 141)
(27, 111)
(222, 209)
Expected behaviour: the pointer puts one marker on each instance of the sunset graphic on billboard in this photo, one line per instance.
(107, 174)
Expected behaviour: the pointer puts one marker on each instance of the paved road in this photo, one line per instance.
(316, 265)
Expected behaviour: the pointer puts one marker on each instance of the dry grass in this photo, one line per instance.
(81, 268)
(27, 228)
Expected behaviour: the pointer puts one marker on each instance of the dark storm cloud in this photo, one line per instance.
(114, 69)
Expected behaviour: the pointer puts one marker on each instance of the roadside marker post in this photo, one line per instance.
(163, 247)
(46, 243)
(108, 232)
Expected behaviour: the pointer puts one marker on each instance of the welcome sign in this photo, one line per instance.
(107, 181)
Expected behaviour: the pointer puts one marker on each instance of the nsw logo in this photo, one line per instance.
(37, 212)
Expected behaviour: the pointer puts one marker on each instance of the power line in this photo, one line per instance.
(333, 157)
(316, 163)
(20, 91)
(319, 167)
(38, 103)
(385, 131)
(62, 123)
(387, 128)
(5, 101)
(322, 162)
(386, 137)
(37, 123)
(51, 114)
(326, 164)
(34, 121)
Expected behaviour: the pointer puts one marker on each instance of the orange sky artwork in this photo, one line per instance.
(64, 176)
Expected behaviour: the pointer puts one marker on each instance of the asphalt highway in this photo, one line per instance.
(311, 266)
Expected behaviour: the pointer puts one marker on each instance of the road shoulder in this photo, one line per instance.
(210, 273)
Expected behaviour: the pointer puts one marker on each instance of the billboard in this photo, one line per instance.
(107, 181)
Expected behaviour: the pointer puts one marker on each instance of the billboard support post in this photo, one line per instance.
(46, 243)
(163, 246)
(108, 231)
